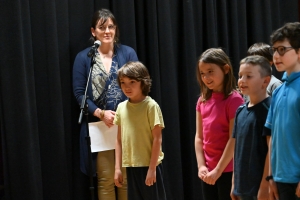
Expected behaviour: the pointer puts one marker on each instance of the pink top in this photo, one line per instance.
(216, 114)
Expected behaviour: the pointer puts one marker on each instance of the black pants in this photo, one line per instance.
(138, 190)
(221, 189)
(247, 198)
(287, 191)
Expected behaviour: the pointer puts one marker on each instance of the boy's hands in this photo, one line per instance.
(298, 190)
(233, 196)
(151, 177)
(118, 178)
(273, 192)
(263, 192)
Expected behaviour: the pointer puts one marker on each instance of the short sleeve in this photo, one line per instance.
(234, 129)
(266, 131)
(155, 116)
(236, 121)
(268, 123)
(198, 104)
(234, 102)
(117, 119)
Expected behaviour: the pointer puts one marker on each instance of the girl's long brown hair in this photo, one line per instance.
(216, 56)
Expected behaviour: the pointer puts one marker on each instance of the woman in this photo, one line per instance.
(104, 95)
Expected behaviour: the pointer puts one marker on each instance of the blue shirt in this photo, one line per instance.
(251, 147)
(284, 121)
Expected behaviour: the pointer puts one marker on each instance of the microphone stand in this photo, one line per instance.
(84, 110)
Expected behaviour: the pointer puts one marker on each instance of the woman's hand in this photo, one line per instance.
(108, 117)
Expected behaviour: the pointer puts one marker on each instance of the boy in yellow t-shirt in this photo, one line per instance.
(138, 146)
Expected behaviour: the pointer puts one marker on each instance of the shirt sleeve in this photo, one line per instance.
(236, 122)
(133, 56)
(266, 131)
(80, 75)
(155, 116)
(235, 101)
(268, 123)
(198, 104)
(117, 120)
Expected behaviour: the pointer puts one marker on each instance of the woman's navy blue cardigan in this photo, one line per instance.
(81, 69)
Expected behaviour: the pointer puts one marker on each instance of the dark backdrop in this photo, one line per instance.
(39, 41)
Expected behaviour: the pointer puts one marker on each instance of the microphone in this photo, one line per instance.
(94, 48)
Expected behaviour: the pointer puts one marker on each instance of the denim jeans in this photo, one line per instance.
(105, 177)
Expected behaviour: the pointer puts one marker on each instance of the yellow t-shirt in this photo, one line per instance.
(137, 121)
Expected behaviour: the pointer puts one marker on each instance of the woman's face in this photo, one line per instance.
(104, 32)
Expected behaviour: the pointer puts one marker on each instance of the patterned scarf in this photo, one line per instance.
(99, 78)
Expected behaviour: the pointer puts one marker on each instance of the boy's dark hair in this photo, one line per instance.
(291, 32)
(261, 49)
(137, 71)
(262, 62)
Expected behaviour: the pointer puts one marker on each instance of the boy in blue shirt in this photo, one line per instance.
(251, 145)
(284, 115)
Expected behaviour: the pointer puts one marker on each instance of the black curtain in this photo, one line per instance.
(39, 114)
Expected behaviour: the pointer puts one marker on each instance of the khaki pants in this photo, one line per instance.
(105, 176)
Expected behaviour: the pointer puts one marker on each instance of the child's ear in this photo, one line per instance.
(298, 52)
(267, 80)
(226, 68)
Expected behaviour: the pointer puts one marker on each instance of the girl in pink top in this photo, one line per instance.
(215, 112)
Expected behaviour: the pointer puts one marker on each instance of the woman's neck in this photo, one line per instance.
(106, 51)
(106, 48)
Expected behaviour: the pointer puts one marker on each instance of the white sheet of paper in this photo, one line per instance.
(102, 137)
